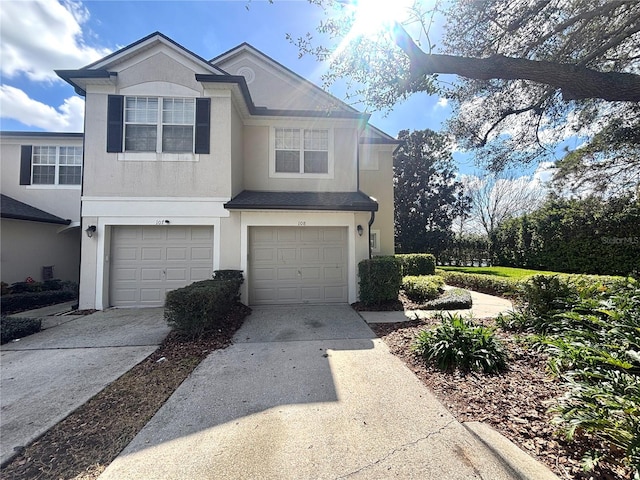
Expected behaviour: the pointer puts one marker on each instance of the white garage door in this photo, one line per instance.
(148, 261)
(298, 265)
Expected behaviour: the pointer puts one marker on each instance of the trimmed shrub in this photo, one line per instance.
(19, 302)
(12, 328)
(454, 299)
(200, 308)
(417, 264)
(491, 284)
(459, 343)
(422, 288)
(380, 280)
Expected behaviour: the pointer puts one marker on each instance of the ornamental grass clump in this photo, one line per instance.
(460, 343)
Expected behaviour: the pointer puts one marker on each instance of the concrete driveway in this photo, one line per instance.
(304, 393)
(46, 376)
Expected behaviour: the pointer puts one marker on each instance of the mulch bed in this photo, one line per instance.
(88, 440)
(515, 403)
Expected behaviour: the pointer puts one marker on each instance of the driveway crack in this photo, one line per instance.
(397, 449)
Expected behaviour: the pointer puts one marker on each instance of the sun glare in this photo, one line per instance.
(375, 16)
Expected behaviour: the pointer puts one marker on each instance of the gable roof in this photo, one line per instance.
(248, 48)
(98, 70)
(14, 209)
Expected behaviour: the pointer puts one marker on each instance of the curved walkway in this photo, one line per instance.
(483, 306)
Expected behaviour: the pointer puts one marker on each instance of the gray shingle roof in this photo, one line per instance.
(342, 201)
(12, 208)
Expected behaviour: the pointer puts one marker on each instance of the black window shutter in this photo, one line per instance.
(115, 107)
(25, 164)
(203, 116)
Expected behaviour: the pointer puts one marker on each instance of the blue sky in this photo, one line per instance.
(90, 28)
(37, 37)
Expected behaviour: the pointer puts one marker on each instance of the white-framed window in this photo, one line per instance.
(302, 151)
(374, 238)
(156, 124)
(56, 165)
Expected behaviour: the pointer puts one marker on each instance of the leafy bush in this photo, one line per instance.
(200, 308)
(459, 343)
(417, 264)
(454, 299)
(19, 302)
(591, 330)
(423, 287)
(380, 280)
(493, 285)
(12, 328)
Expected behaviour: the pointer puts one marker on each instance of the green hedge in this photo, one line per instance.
(19, 302)
(491, 284)
(200, 308)
(380, 280)
(417, 264)
(454, 299)
(12, 328)
(422, 288)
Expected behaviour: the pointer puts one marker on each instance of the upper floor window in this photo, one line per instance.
(301, 150)
(153, 124)
(56, 165)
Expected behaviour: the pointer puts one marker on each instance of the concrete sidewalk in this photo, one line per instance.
(46, 376)
(306, 392)
(483, 306)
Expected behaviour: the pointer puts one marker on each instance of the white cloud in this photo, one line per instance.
(40, 36)
(442, 103)
(68, 117)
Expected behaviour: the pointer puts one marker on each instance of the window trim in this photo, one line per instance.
(374, 240)
(56, 165)
(301, 128)
(160, 125)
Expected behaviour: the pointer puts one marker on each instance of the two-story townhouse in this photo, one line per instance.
(235, 163)
(40, 207)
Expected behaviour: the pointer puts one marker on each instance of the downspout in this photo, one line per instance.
(371, 220)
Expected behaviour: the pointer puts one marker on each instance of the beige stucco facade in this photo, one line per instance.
(192, 189)
(27, 245)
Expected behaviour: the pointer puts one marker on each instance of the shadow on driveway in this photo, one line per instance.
(303, 393)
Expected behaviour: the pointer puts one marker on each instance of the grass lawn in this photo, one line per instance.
(507, 272)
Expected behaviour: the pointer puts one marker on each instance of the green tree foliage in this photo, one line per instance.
(529, 73)
(427, 196)
(588, 235)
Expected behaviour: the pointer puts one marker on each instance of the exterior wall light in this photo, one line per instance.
(91, 229)
(360, 230)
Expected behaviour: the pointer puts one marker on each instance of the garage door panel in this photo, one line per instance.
(310, 254)
(286, 235)
(287, 255)
(311, 274)
(153, 233)
(333, 255)
(177, 233)
(148, 261)
(263, 255)
(151, 254)
(125, 253)
(201, 253)
(261, 274)
(176, 253)
(284, 274)
(310, 267)
(201, 233)
(148, 295)
(334, 274)
(151, 274)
